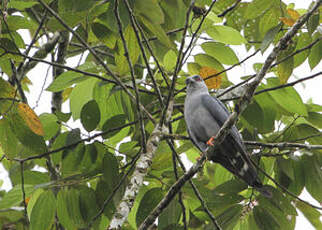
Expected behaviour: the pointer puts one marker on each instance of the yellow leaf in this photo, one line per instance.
(214, 82)
(31, 119)
(293, 13)
(287, 21)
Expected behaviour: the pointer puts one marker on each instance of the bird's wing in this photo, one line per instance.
(220, 114)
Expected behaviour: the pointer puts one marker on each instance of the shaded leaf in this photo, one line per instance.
(90, 115)
(150, 199)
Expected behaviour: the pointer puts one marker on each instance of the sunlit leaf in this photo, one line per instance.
(226, 34)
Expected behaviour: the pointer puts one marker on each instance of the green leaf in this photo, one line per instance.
(315, 54)
(256, 8)
(226, 35)
(313, 176)
(32, 201)
(312, 23)
(133, 51)
(264, 220)
(285, 69)
(315, 119)
(158, 31)
(71, 161)
(66, 80)
(148, 202)
(75, 5)
(14, 196)
(50, 125)
(169, 60)
(81, 94)
(43, 212)
(110, 170)
(287, 98)
(296, 186)
(193, 68)
(20, 5)
(269, 20)
(222, 53)
(72, 200)
(150, 9)
(269, 37)
(90, 115)
(8, 140)
(88, 206)
(62, 210)
(229, 218)
(16, 22)
(303, 40)
(113, 123)
(104, 34)
(8, 45)
(169, 218)
(311, 214)
(206, 60)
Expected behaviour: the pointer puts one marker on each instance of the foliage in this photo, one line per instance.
(87, 163)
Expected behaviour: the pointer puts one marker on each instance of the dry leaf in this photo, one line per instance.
(214, 82)
(287, 21)
(31, 119)
(293, 13)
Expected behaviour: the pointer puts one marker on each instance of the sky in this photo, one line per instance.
(311, 90)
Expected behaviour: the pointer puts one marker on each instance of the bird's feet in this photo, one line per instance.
(209, 142)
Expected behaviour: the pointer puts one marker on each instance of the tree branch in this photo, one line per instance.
(143, 164)
(282, 145)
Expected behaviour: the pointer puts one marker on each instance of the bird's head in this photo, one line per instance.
(196, 84)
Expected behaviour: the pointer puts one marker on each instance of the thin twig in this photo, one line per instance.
(135, 27)
(137, 95)
(229, 9)
(178, 63)
(23, 190)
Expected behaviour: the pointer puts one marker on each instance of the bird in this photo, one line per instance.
(204, 116)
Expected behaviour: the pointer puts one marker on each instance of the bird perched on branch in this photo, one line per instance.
(204, 116)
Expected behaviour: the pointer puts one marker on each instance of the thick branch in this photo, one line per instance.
(141, 169)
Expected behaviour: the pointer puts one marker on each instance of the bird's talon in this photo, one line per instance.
(209, 142)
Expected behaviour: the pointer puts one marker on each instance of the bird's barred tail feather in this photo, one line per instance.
(243, 169)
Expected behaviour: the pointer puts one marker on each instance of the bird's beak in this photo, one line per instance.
(188, 80)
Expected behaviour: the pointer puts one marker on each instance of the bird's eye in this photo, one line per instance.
(197, 78)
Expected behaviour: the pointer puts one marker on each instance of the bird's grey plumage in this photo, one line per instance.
(204, 117)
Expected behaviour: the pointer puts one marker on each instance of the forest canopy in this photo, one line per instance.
(92, 133)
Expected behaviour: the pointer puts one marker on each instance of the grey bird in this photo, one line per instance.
(204, 116)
